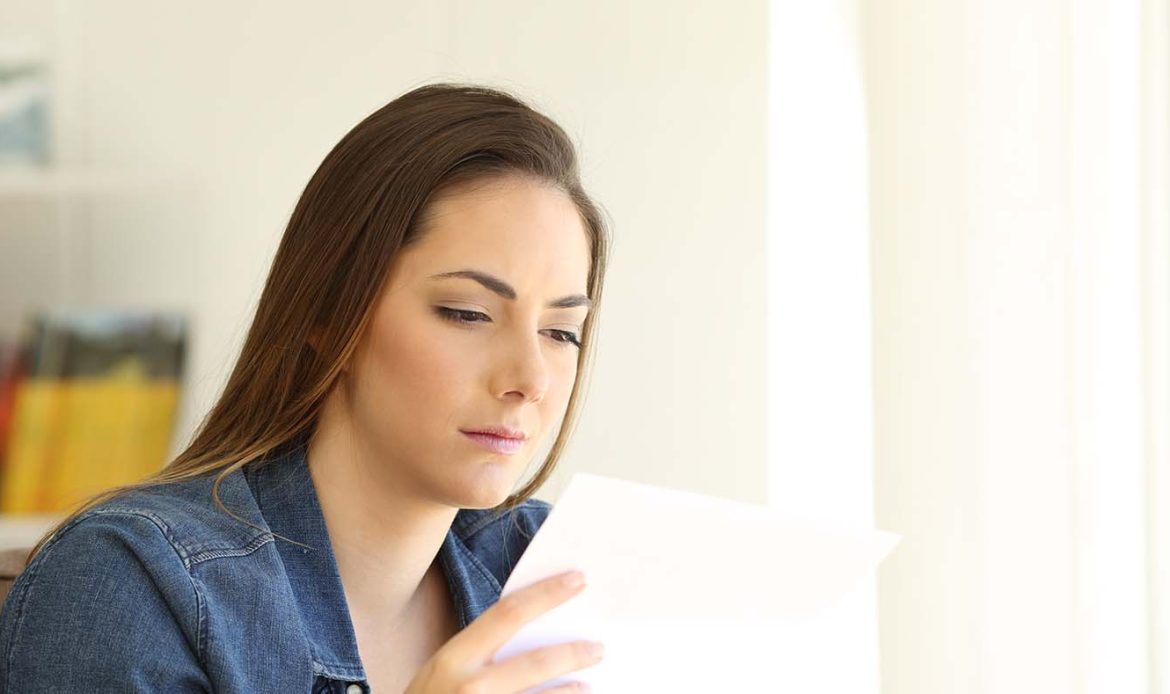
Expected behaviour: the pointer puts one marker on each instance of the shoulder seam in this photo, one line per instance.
(190, 558)
(255, 543)
(21, 591)
(158, 522)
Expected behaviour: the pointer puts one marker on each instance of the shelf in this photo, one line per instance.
(57, 181)
(24, 530)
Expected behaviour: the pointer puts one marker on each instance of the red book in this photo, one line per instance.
(12, 370)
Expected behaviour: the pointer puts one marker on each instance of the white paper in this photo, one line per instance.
(686, 591)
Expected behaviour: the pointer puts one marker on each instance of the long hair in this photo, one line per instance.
(360, 208)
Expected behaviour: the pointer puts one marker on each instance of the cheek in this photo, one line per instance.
(427, 374)
(560, 388)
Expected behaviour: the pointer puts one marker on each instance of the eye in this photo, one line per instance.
(458, 316)
(463, 317)
(567, 337)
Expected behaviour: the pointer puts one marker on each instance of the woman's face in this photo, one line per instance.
(448, 355)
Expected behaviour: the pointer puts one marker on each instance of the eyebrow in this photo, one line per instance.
(505, 290)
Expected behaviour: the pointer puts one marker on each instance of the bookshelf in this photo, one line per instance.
(68, 219)
(46, 217)
(48, 232)
(57, 182)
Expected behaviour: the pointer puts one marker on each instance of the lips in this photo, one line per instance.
(496, 444)
(503, 432)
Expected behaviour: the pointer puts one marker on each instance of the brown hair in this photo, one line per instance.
(362, 206)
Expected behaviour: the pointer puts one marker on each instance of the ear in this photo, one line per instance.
(314, 341)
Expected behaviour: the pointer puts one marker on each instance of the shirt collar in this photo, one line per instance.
(288, 501)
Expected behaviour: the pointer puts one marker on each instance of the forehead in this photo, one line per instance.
(526, 232)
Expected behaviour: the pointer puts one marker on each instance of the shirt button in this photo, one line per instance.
(354, 689)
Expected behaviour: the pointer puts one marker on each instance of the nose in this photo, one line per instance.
(522, 370)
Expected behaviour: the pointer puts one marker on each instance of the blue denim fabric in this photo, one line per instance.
(158, 590)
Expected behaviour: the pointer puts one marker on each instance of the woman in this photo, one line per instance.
(343, 520)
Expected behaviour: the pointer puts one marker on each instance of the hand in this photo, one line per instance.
(463, 664)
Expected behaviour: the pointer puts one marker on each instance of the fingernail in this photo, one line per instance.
(596, 649)
(573, 579)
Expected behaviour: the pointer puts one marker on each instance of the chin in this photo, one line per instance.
(485, 490)
(476, 501)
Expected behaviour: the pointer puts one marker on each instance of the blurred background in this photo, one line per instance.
(900, 264)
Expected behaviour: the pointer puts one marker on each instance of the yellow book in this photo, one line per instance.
(97, 409)
(115, 432)
(36, 429)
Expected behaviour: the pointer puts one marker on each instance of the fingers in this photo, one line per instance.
(480, 640)
(570, 688)
(524, 670)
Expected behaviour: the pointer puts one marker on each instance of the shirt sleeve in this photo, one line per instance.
(107, 605)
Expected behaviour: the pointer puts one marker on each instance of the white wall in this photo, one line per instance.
(667, 101)
(1156, 278)
(1007, 237)
(926, 471)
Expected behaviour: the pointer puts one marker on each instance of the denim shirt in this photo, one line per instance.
(159, 590)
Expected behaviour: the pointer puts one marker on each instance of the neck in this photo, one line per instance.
(385, 539)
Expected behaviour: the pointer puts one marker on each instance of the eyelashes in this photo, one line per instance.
(462, 317)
